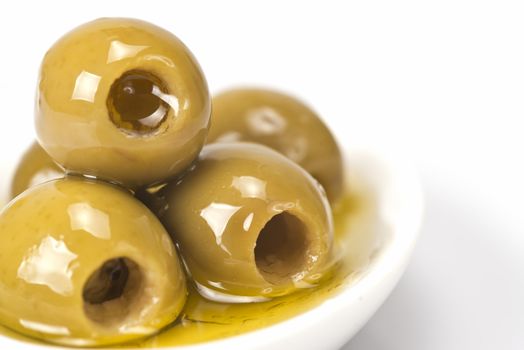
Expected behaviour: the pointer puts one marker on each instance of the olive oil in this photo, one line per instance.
(203, 320)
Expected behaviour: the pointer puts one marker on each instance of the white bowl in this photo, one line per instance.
(393, 185)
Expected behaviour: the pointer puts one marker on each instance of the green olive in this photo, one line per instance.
(285, 124)
(122, 100)
(35, 167)
(86, 264)
(249, 222)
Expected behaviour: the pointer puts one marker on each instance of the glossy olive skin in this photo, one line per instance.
(217, 212)
(283, 123)
(130, 66)
(55, 236)
(34, 168)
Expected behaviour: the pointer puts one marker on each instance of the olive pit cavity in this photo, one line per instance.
(111, 292)
(138, 102)
(281, 248)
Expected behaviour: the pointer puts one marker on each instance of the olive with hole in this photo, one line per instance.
(122, 100)
(34, 168)
(285, 124)
(249, 222)
(86, 264)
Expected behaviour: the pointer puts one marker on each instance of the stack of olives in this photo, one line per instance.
(121, 202)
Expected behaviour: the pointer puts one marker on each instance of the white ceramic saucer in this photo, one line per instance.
(394, 221)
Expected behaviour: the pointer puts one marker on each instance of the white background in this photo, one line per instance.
(443, 81)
